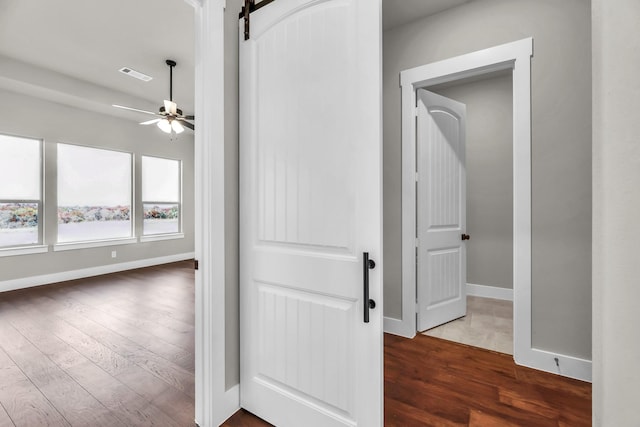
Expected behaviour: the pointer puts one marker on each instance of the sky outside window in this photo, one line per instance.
(93, 177)
(94, 194)
(19, 168)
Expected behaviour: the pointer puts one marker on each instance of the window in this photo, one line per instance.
(20, 191)
(161, 195)
(94, 194)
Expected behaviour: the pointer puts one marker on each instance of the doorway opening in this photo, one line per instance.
(487, 162)
(513, 58)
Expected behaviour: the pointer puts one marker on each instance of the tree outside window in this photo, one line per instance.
(20, 191)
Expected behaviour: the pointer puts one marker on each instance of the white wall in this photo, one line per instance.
(561, 148)
(33, 117)
(232, 322)
(616, 203)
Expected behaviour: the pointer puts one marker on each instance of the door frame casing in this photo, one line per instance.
(517, 57)
(214, 403)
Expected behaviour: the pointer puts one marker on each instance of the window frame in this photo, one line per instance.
(162, 236)
(99, 242)
(39, 246)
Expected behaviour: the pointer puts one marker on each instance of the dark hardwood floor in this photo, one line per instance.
(118, 350)
(433, 382)
(113, 350)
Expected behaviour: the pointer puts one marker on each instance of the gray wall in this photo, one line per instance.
(232, 318)
(616, 203)
(561, 148)
(489, 161)
(54, 123)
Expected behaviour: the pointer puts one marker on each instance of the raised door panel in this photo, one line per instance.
(304, 129)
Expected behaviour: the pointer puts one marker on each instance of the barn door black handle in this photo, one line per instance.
(367, 265)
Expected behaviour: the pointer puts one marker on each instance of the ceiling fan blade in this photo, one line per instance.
(134, 109)
(150, 122)
(187, 125)
(170, 107)
(188, 117)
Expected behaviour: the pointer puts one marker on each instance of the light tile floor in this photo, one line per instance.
(488, 324)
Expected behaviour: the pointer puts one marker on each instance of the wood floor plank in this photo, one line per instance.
(109, 350)
(166, 307)
(128, 406)
(480, 419)
(78, 406)
(154, 343)
(72, 401)
(5, 420)
(82, 343)
(76, 362)
(401, 414)
(432, 382)
(244, 418)
(28, 407)
(163, 327)
(143, 382)
(85, 340)
(183, 406)
(21, 400)
(167, 371)
(455, 371)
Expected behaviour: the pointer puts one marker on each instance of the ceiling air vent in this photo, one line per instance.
(133, 73)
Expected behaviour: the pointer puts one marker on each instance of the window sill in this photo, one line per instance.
(93, 244)
(158, 237)
(24, 250)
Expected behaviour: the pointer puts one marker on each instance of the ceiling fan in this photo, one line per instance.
(170, 118)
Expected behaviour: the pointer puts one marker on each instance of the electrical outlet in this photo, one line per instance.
(113, 254)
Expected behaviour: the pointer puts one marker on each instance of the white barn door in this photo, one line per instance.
(310, 206)
(441, 216)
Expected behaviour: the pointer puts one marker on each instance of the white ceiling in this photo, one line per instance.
(91, 40)
(51, 44)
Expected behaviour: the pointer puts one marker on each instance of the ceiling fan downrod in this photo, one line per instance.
(171, 63)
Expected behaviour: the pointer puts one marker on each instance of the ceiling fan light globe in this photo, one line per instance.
(177, 127)
(164, 126)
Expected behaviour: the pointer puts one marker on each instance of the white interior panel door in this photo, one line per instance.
(310, 206)
(441, 217)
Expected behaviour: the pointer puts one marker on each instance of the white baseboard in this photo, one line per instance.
(399, 327)
(494, 292)
(45, 279)
(567, 366)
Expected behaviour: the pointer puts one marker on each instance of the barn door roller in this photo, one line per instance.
(249, 7)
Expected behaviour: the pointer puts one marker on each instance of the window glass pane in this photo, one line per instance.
(20, 178)
(161, 218)
(160, 179)
(160, 195)
(18, 224)
(94, 194)
(19, 168)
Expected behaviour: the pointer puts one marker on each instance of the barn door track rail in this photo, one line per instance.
(249, 7)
